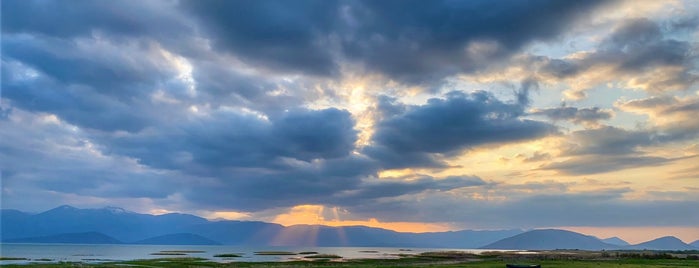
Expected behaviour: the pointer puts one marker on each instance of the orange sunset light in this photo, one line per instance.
(314, 214)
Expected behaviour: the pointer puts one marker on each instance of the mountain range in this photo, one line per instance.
(111, 225)
(551, 239)
(615, 241)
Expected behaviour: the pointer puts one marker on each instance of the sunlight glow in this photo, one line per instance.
(227, 215)
(315, 215)
(184, 70)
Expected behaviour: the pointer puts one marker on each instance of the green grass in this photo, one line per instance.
(547, 259)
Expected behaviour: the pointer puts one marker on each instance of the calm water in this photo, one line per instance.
(101, 253)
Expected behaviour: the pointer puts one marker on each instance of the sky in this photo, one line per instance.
(407, 115)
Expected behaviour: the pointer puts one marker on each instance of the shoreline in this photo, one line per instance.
(552, 258)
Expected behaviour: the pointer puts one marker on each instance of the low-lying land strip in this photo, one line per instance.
(547, 259)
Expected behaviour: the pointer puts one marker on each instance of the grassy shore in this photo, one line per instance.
(552, 259)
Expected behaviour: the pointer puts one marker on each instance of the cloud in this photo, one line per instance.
(419, 135)
(181, 105)
(585, 165)
(608, 140)
(278, 35)
(220, 168)
(78, 19)
(586, 116)
(391, 187)
(638, 54)
(234, 138)
(673, 116)
(421, 43)
(535, 157)
(65, 160)
(606, 148)
(518, 206)
(340, 182)
(102, 89)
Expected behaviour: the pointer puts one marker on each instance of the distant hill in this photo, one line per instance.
(241, 233)
(178, 239)
(615, 241)
(129, 226)
(70, 238)
(465, 238)
(695, 244)
(66, 224)
(663, 243)
(550, 239)
(115, 222)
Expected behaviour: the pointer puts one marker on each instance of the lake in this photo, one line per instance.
(102, 253)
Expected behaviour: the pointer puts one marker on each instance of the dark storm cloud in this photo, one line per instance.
(273, 187)
(95, 88)
(674, 116)
(409, 134)
(391, 187)
(229, 161)
(606, 207)
(78, 105)
(424, 41)
(596, 209)
(607, 148)
(75, 18)
(419, 42)
(342, 182)
(107, 69)
(238, 139)
(247, 162)
(665, 105)
(226, 85)
(642, 44)
(608, 140)
(41, 154)
(280, 35)
(636, 47)
(199, 103)
(307, 135)
(595, 164)
(574, 114)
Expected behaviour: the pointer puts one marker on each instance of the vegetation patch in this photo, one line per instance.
(229, 255)
(324, 256)
(176, 252)
(307, 252)
(448, 255)
(447, 259)
(168, 253)
(12, 259)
